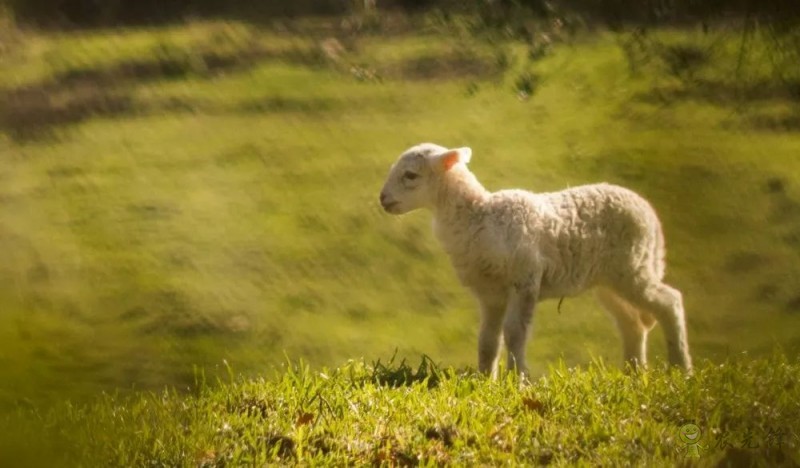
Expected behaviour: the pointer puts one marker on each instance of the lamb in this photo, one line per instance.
(514, 248)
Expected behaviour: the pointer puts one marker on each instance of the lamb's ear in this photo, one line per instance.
(444, 161)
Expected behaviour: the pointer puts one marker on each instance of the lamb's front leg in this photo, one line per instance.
(492, 312)
(519, 316)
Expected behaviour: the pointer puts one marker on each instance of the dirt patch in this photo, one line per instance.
(792, 238)
(454, 64)
(784, 208)
(151, 211)
(787, 122)
(65, 172)
(767, 292)
(697, 172)
(745, 262)
(775, 185)
(169, 312)
(722, 93)
(287, 104)
(35, 111)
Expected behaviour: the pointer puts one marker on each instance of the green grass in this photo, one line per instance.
(208, 191)
(396, 414)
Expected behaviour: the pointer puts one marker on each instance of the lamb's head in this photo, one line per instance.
(413, 177)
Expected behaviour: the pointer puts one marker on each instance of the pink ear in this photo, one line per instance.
(449, 159)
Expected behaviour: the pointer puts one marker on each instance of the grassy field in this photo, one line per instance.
(398, 415)
(174, 198)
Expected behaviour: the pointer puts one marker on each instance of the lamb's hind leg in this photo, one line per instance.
(632, 328)
(666, 305)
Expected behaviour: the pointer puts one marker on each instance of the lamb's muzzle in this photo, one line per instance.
(387, 202)
(514, 248)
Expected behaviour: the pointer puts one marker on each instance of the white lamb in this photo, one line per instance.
(513, 248)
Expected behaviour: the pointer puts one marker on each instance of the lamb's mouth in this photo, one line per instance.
(387, 207)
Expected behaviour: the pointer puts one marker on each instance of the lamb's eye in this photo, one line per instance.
(408, 175)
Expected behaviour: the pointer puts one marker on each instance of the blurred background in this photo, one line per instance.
(190, 186)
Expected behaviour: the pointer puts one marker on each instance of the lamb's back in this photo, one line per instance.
(574, 236)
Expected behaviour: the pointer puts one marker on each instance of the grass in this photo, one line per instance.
(398, 415)
(174, 197)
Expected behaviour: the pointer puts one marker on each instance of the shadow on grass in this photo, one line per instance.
(787, 121)
(727, 93)
(33, 112)
(453, 64)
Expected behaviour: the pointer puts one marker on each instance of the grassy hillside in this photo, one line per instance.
(174, 197)
(397, 415)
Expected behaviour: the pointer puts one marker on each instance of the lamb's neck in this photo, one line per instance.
(459, 195)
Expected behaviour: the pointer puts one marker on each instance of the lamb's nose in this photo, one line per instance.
(383, 198)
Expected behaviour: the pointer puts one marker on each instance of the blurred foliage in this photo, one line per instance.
(615, 13)
(110, 12)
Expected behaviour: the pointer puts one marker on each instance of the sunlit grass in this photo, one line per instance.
(401, 414)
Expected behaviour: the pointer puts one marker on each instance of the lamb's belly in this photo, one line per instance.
(480, 272)
(551, 292)
(567, 283)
